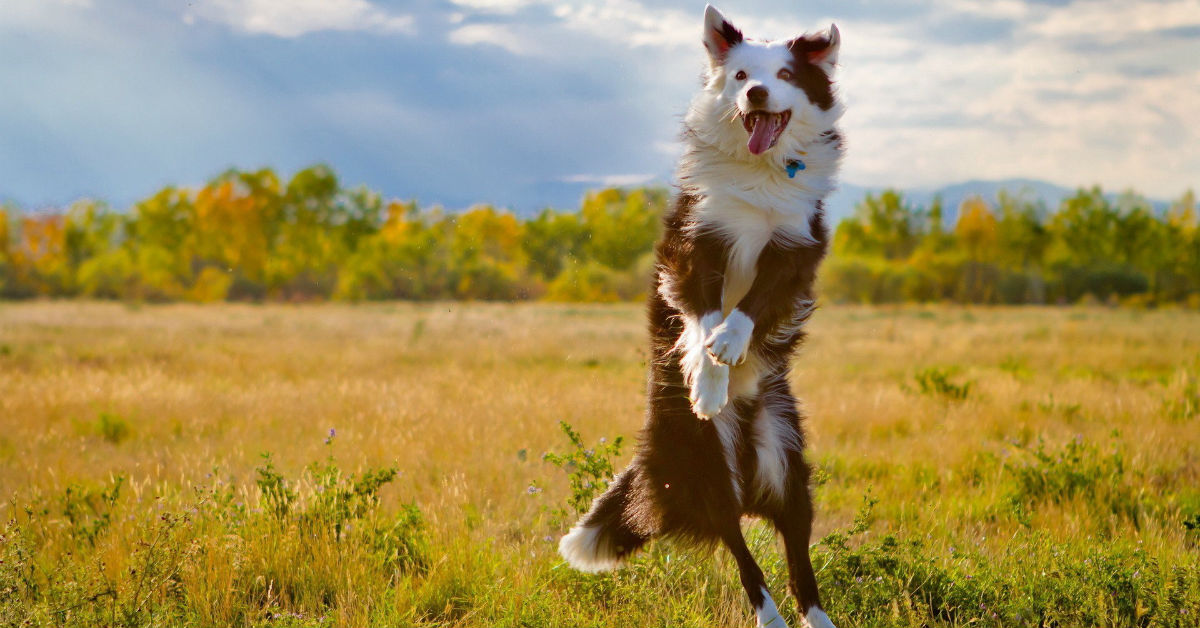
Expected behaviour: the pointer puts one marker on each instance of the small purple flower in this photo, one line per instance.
(533, 489)
(332, 433)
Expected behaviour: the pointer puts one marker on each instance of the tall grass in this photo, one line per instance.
(415, 464)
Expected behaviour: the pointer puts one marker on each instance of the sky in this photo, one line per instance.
(522, 103)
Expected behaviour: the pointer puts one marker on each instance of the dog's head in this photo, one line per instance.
(761, 92)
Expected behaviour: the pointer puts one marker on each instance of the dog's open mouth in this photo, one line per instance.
(764, 128)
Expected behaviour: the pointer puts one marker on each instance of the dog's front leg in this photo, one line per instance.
(771, 298)
(708, 380)
(703, 280)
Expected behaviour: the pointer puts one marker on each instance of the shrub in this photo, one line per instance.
(1077, 470)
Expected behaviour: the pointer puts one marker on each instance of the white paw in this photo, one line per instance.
(730, 339)
(816, 618)
(767, 616)
(710, 389)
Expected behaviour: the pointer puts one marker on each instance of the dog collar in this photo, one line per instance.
(794, 166)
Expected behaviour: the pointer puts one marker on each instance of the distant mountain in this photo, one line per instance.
(841, 204)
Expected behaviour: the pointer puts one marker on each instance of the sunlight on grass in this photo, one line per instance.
(993, 467)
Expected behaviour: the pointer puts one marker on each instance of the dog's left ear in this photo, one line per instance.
(821, 50)
(719, 35)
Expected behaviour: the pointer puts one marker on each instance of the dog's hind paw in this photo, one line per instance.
(816, 618)
(710, 390)
(767, 615)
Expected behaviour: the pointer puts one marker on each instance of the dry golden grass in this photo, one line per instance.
(464, 398)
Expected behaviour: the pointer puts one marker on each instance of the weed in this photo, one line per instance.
(340, 499)
(89, 510)
(1018, 367)
(17, 576)
(1186, 405)
(1068, 410)
(338, 502)
(113, 427)
(274, 488)
(157, 562)
(936, 381)
(1077, 470)
(588, 469)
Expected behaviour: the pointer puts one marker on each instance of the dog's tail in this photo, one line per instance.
(606, 536)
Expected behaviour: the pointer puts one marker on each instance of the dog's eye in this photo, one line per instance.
(785, 74)
(741, 75)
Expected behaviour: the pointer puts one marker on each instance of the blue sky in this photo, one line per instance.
(522, 102)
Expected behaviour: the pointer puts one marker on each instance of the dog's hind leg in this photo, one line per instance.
(794, 522)
(765, 611)
(783, 476)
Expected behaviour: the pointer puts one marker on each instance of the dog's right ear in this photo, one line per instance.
(719, 35)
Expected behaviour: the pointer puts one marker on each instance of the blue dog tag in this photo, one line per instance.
(793, 166)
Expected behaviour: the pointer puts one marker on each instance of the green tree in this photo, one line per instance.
(622, 226)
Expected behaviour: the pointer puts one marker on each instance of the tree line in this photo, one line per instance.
(252, 236)
(1015, 250)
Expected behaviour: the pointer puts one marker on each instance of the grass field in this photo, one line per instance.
(991, 467)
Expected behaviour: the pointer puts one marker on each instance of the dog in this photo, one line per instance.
(734, 287)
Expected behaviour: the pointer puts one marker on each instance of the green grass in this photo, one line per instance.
(415, 465)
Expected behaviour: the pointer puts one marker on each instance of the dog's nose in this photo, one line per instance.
(758, 96)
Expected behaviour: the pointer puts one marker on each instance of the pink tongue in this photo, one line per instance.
(762, 134)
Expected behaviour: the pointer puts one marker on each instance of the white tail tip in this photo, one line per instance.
(583, 549)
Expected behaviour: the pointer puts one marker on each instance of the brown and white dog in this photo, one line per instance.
(736, 266)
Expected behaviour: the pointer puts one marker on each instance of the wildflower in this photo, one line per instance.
(533, 489)
(332, 433)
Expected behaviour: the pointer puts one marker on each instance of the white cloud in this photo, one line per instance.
(293, 18)
(1006, 9)
(609, 180)
(1109, 17)
(632, 22)
(494, 35)
(504, 7)
(1075, 96)
(39, 14)
(943, 90)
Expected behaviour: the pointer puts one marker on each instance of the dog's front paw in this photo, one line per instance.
(710, 390)
(731, 339)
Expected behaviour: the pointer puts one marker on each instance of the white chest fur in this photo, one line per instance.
(751, 201)
(747, 228)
